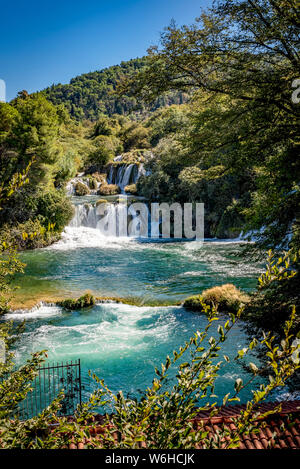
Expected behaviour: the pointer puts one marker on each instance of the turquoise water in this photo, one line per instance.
(115, 267)
(119, 342)
(122, 343)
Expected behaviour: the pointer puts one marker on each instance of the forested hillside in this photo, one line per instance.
(90, 95)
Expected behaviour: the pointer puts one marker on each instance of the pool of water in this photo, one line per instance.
(119, 342)
(123, 267)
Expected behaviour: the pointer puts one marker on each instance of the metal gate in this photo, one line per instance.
(49, 382)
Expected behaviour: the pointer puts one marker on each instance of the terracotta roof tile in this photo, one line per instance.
(277, 430)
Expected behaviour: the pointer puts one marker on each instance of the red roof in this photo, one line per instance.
(279, 430)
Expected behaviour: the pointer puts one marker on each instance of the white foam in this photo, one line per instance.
(110, 329)
(42, 310)
(81, 237)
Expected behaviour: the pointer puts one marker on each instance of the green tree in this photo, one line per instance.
(242, 56)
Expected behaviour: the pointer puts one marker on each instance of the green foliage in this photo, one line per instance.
(194, 303)
(32, 164)
(276, 294)
(109, 189)
(225, 298)
(9, 266)
(167, 121)
(104, 149)
(84, 301)
(92, 95)
(242, 58)
(163, 418)
(135, 136)
(28, 235)
(55, 209)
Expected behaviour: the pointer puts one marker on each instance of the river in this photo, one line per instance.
(122, 343)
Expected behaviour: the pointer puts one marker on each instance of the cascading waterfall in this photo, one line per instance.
(124, 174)
(70, 187)
(108, 219)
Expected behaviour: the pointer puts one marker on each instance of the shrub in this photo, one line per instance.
(131, 188)
(84, 301)
(92, 182)
(194, 303)
(109, 189)
(55, 208)
(28, 235)
(225, 298)
(81, 189)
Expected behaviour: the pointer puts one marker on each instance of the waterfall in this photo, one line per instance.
(108, 219)
(70, 187)
(126, 178)
(124, 174)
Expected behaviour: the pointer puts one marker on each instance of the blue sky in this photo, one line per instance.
(52, 41)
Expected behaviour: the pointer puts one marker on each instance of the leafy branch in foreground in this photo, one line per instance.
(166, 414)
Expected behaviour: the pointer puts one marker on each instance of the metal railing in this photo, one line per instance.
(48, 383)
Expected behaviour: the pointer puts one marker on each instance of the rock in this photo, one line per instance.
(81, 189)
(84, 301)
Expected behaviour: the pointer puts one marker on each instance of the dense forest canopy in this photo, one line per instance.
(90, 95)
(242, 58)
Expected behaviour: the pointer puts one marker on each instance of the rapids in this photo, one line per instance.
(121, 342)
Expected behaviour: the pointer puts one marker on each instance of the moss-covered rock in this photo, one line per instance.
(194, 303)
(225, 298)
(93, 183)
(84, 301)
(109, 189)
(81, 189)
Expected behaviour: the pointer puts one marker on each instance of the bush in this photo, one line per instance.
(100, 177)
(225, 298)
(109, 189)
(84, 301)
(28, 235)
(92, 182)
(55, 208)
(131, 188)
(277, 291)
(81, 189)
(194, 303)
